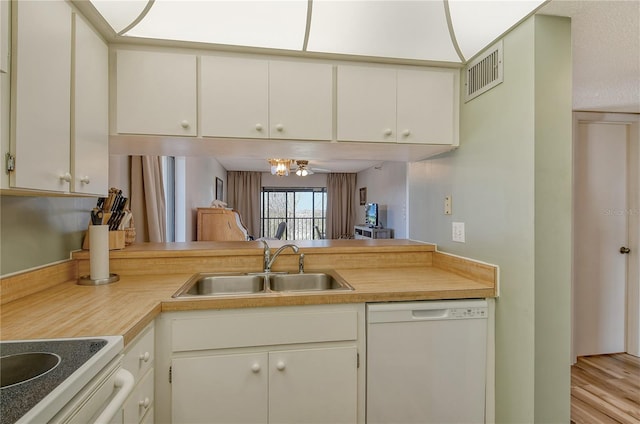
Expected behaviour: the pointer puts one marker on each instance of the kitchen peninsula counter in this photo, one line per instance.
(35, 305)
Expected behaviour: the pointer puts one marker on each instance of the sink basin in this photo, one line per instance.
(22, 367)
(313, 281)
(254, 283)
(220, 285)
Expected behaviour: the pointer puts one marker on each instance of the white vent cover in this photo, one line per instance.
(484, 72)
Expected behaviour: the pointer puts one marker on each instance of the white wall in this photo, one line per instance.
(386, 185)
(199, 188)
(511, 186)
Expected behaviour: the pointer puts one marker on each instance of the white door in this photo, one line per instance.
(220, 389)
(600, 230)
(313, 386)
(300, 100)
(90, 138)
(366, 103)
(234, 97)
(156, 93)
(41, 95)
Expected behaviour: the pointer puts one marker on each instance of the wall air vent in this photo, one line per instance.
(484, 72)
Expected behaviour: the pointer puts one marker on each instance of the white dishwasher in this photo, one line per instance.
(426, 362)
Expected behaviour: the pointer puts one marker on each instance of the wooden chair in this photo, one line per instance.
(219, 224)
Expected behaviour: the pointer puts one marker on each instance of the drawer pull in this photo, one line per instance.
(255, 367)
(145, 403)
(280, 366)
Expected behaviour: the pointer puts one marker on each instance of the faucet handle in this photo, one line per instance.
(301, 263)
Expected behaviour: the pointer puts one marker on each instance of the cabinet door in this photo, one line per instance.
(156, 93)
(42, 105)
(90, 139)
(313, 386)
(426, 101)
(300, 100)
(366, 104)
(234, 96)
(220, 389)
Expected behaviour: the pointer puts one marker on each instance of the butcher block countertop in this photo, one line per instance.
(47, 303)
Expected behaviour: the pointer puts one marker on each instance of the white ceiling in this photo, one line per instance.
(606, 77)
(606, 53)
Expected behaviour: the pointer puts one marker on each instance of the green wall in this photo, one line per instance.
(510, 183)
(36, 231)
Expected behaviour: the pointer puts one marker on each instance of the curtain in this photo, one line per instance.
(341, 194)
(147, 199)
(243, 195)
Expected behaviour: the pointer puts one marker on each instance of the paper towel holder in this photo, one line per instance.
(86, 280)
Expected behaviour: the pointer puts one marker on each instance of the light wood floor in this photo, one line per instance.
(606, 389)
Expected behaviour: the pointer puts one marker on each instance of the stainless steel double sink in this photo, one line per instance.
(212, 284)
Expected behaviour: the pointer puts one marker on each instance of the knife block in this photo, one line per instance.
(116, 240)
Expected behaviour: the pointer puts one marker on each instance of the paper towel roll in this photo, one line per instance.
(99, 251)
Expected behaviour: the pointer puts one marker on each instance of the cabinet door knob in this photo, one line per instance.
(625, 250)
(144, 357)
(144, 403)
(388, 132)
(66, 177)
(279, 127)
(258, 127)
(280, 365)
(85, 180)
(406, 133)
(255, 367)
(185, 124)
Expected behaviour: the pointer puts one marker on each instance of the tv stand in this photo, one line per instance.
(365, 232)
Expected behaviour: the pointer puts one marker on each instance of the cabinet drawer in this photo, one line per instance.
(262, 329)
(140, 401)
(138, 357)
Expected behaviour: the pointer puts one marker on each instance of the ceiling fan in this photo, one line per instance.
(303, 169)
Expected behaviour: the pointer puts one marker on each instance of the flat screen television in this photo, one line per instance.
(371, 215)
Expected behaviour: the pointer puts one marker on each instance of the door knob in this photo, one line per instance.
(625, 250)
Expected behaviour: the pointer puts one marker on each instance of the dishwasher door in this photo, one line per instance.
(426, 362)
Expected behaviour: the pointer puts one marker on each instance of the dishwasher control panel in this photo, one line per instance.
(468, 312)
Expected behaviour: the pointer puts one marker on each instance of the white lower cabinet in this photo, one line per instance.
(138, 360)
(297, 364)
(288, 386)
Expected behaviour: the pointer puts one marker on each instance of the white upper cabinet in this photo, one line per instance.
(255, 98)
(366, 104)
(300, 100)
(90, 140)
(397, 105)
(425, 107)
(234, 97)
(60, 133)
(41, 95)
(156, 93)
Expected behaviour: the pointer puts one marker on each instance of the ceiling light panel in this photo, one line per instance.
(119, 14)
(252, 23)
(477, 23)
(414, 29)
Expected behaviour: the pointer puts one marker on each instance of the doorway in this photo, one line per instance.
(606, 286)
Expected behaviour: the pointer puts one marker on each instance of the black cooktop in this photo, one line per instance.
(16, 400)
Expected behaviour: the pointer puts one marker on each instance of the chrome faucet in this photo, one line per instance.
(270, 259)
(267, 255)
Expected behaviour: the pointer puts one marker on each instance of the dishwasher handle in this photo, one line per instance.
(124, 382)
(426, 314)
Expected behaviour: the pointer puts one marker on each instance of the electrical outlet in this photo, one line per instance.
(457, 231)
(447, 205)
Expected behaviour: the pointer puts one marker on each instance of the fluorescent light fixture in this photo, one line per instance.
(477, 23)
(432, 30)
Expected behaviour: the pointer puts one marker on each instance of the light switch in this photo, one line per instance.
(447, 205)
(458, 231)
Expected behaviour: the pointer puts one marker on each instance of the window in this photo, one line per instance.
(303, 209)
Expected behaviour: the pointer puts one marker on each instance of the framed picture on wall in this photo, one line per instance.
(219, 188)
(363, 196)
